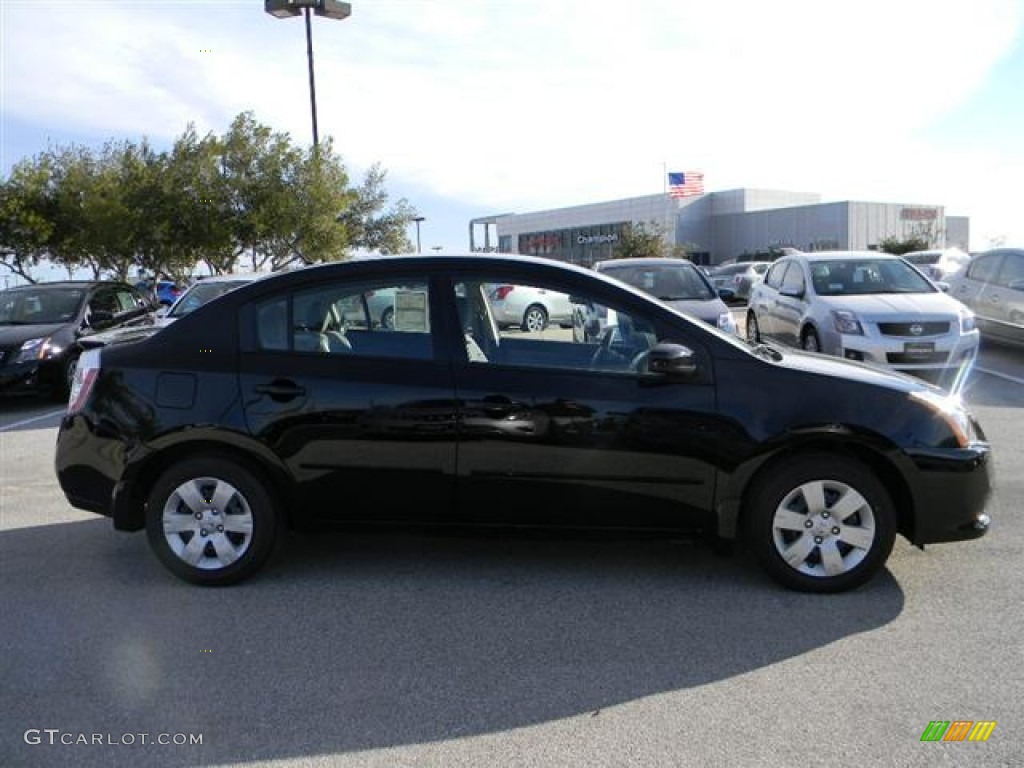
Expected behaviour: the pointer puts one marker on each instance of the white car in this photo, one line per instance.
(939, 264)
(866, 306)
(530, 309)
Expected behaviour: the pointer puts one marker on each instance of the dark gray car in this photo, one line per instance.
(677, 282)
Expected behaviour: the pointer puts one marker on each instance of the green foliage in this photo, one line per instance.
(249, 194)
(638, 240)
(898, 247)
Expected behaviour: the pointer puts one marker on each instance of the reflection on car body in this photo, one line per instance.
(659, 425)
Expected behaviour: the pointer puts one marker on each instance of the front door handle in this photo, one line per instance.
(281, 390)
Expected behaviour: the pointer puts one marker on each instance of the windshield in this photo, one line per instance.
(864, 276)
(202, 293)
(668, 282)
(41, 306)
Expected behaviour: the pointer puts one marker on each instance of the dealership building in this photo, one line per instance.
(718, 226)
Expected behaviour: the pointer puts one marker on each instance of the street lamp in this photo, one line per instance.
(332, 9)
(418, 219)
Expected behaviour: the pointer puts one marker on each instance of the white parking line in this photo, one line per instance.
(998, 375)
(17, 424)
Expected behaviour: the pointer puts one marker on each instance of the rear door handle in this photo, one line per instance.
(281, 390)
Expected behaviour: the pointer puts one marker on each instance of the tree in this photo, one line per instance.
(637, 240)
(898, 247)
(250, 193)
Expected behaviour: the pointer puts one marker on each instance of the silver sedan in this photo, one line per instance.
(866, 306)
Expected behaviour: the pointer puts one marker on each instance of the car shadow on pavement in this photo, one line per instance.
(355, 641)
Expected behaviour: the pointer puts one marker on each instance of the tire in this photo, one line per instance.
(238, 525)
(387, 318)
(791, 526)
(535, 318)
(62, 390)
(810, 341)
(753, 329)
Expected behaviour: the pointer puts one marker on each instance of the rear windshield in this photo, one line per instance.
(668, 282)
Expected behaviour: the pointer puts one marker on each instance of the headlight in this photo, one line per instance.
(951, 411)
(847, 322)
(966, 322)
(726, 323)
(35, 349)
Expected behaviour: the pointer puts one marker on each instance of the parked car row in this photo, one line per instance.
(658, 424)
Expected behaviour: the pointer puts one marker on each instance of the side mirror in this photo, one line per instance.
(793, 293)
(99, 317)
(1016, 285)
(672, 360)
(942, 285)
(726, 294)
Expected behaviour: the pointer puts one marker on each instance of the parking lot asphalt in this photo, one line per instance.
(500, 650)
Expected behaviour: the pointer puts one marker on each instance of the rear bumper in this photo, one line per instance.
(951, 492)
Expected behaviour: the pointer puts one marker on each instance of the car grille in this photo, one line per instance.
(902, 358)
(934, 328)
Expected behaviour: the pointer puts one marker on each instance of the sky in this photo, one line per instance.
(478, 107)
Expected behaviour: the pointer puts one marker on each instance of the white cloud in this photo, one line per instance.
(538, 103)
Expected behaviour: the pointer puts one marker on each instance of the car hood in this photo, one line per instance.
(827, 365)
(896, 305)
(17, 334)
(708, 310)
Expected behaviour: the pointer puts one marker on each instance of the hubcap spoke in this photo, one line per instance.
(175, 523)
(831, 560)
(788, 520)
(850, 503)
(858, 537)
(189, 493)
(225, 550)
(222, 496)
(797, 553)
(814, 496)
(193, 552)
(238, 524)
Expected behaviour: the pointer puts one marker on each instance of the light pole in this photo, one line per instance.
(418, 219)
(332, 9)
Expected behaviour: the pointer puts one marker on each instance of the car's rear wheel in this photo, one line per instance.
(210, 521)
(535, 318)
(753, 330)
(820, 523)
(810, 341)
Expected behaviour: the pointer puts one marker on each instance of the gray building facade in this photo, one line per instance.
(718, 226)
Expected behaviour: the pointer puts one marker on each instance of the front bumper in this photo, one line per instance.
(951, 490)
(905, 353)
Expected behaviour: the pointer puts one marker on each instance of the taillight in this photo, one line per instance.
(86, 371)
(502, 291)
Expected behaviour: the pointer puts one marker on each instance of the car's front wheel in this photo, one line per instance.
(753, 330)
(820, 523)
(210, 521)
(810, 341)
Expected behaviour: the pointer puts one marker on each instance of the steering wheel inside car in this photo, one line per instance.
(606, 356)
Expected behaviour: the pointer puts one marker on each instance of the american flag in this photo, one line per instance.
(685, 184)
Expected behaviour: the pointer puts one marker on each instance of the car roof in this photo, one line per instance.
(64, 284)
(656, 261)
(847, 255)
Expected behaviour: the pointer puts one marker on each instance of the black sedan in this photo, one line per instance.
(41, 324)
(281, 404)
